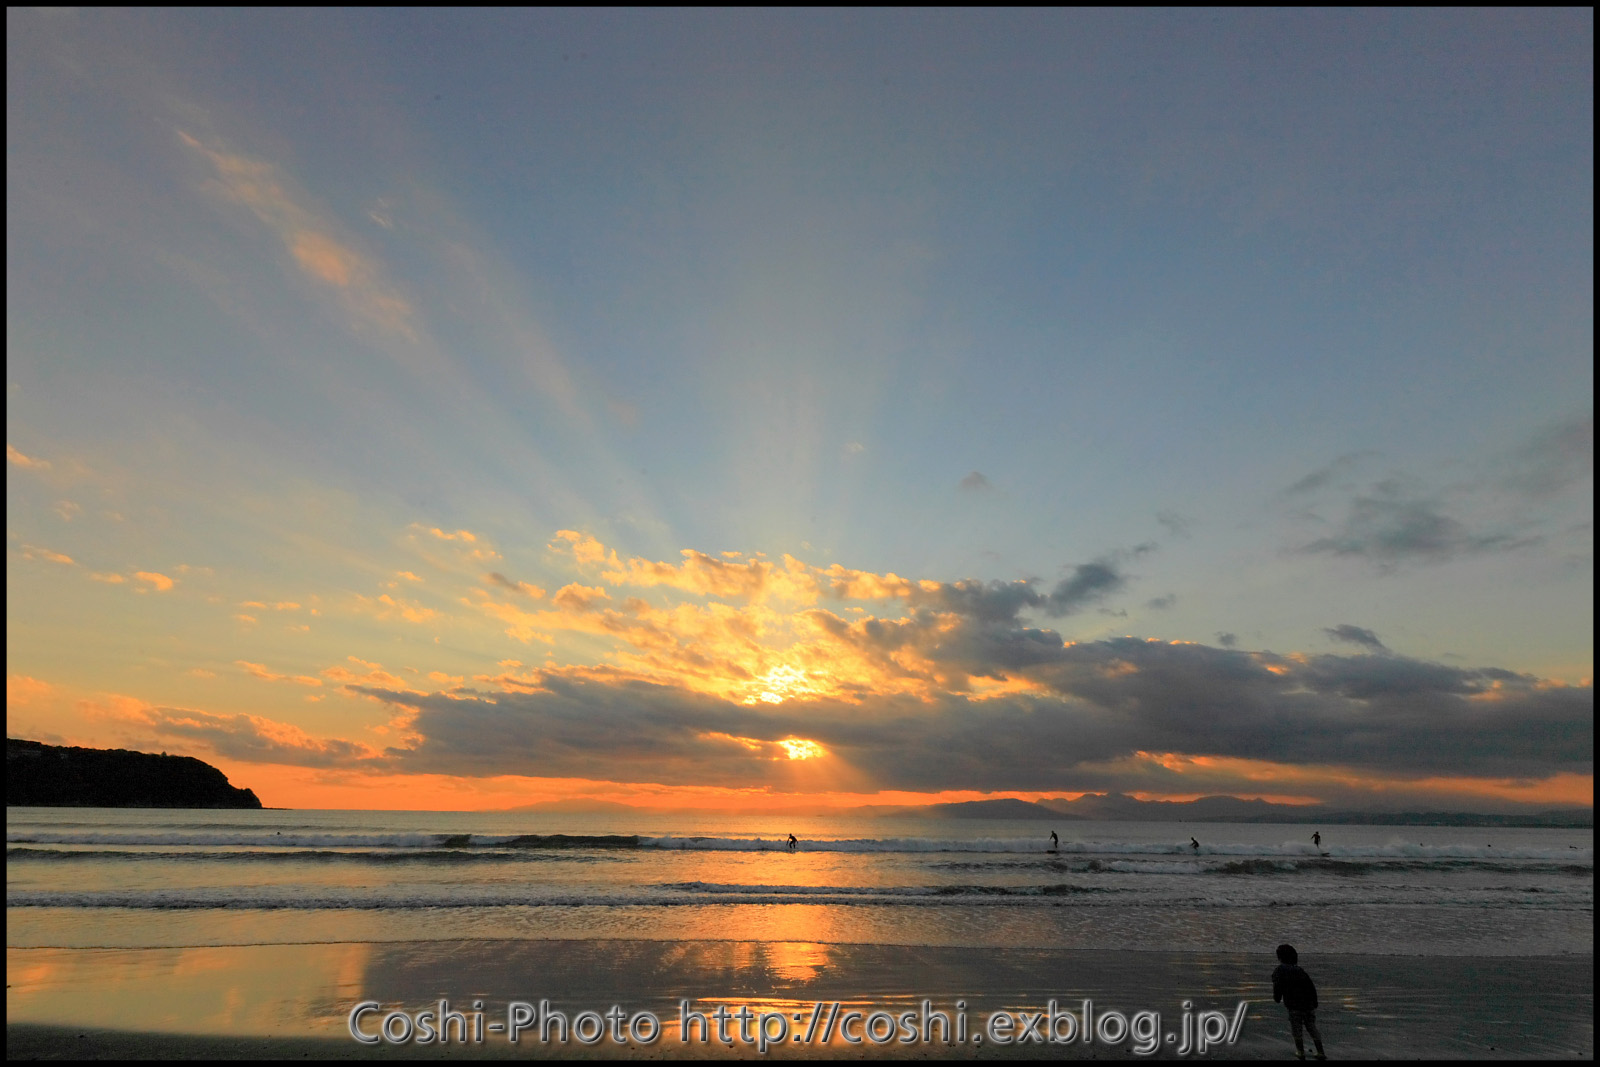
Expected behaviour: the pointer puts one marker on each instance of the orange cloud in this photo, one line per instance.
(160, 581)
(372, 674)
(846, 584)
(17, 459)
(22, 690)
(325, 258)
(579, 598)
(267, 194)
(460, 535)
(699, 573)
(35, 552)
(733, 651)
(259, 671)
(586, 551)
(387, 607)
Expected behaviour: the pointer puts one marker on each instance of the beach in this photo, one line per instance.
(291, 1000)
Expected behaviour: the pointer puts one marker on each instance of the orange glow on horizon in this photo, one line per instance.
(300, 787)
(1227, 771)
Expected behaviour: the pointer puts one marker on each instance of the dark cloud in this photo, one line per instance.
(1509, 502)
(1162, 603)
(975, 482)
(1559, 456)
(992, 601)
(1087, 583)
(1388, 527)
(1227, 640)
(1324, 476)
(522, 588)
(1388, 713)
(1176, 524)
(998, 601)
(625, 730)
(1354, 635)
(1311, 482)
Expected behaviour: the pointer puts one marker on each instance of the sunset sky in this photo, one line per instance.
(778, 410)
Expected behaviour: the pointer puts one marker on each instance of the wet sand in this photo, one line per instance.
(293, 1001)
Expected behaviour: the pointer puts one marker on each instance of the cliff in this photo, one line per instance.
(40, 775)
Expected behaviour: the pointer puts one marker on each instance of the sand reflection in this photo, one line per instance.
(259, 990)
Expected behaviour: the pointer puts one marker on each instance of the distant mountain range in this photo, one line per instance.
(1119, 807)
(46, 776)
(1115, 807)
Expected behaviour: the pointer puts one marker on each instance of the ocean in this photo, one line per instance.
(120, 878)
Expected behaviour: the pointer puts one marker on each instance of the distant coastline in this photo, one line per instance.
(1120, 807)
(55, 776)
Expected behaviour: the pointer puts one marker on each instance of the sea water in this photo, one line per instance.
(122, 878)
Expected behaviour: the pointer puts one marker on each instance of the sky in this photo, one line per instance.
(775, 410)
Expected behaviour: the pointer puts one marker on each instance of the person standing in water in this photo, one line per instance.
(1316, 839)
(1054, 843)
(793, 843)
(1194, 844)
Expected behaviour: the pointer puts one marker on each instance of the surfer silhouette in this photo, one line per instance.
(1054, 842)
(1194, 844)
(1316, 839)
(793, 843)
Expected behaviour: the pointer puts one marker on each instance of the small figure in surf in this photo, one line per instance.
(1316, 839)
(1054, 843)
(793, 843)
(1194, 844)
(1294, 988)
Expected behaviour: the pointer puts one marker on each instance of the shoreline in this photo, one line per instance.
(292, 1001)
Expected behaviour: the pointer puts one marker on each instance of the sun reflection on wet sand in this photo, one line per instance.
(797, 962)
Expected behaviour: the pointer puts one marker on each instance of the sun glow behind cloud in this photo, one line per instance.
(798, 748)
(782, 683)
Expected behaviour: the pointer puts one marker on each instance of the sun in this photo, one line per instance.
(799, 748)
